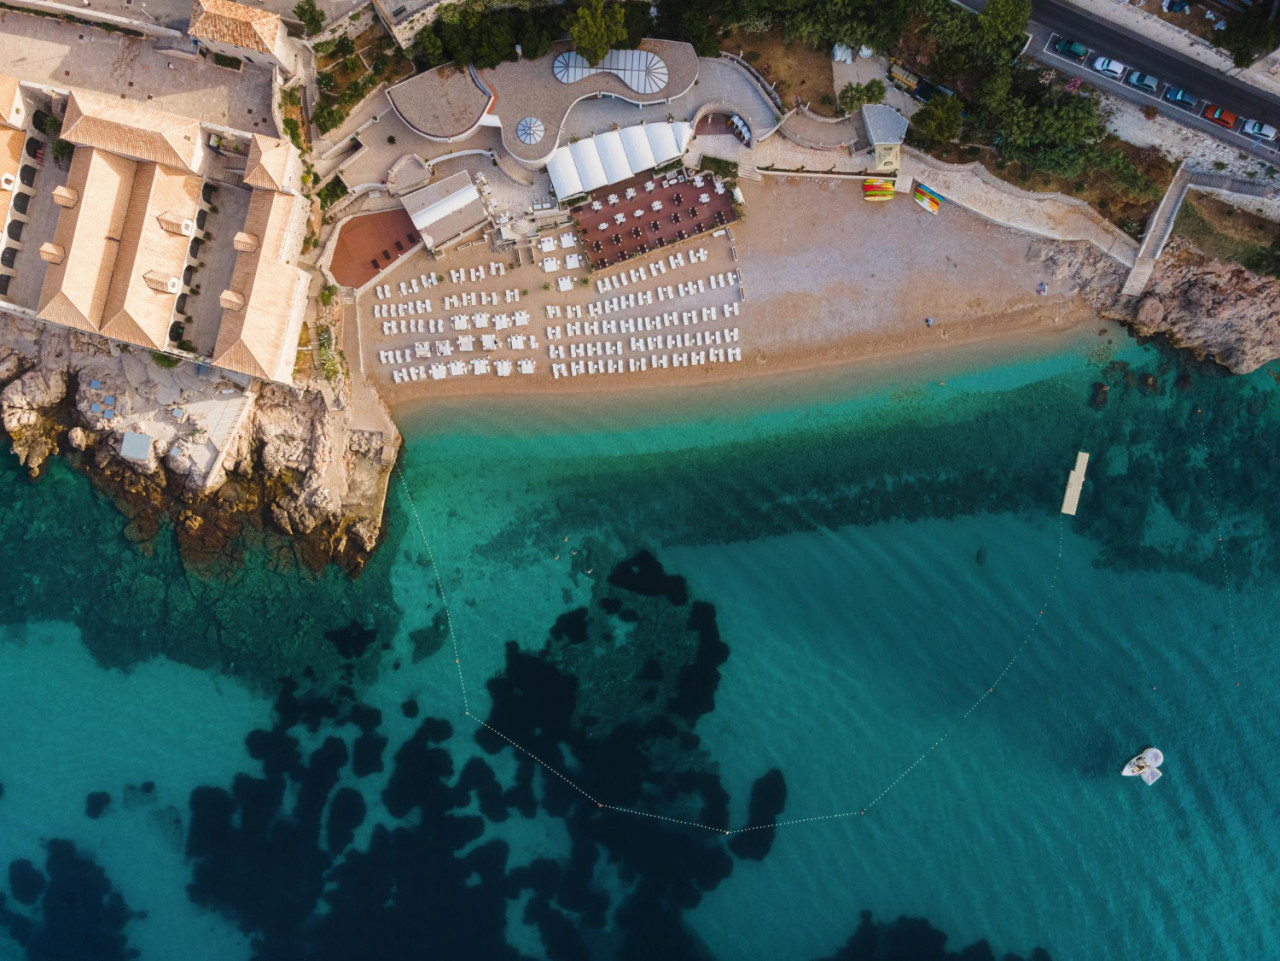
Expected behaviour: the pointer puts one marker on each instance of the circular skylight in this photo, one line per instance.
(530, 130)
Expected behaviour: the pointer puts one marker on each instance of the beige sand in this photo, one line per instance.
(829, 280)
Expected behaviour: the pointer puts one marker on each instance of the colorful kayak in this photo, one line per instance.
(877, 191)
(929, 200)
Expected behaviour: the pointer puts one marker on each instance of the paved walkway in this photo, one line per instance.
(176, 14)
(1052, 216)
(65, 55)
(529, 88)
(1157, 233)
(719, 82)
(809, 131)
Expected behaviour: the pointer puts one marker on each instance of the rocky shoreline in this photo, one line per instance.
(1220, 312)
(265, 456)
(313, 465)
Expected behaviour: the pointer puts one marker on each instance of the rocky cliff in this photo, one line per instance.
(216, 455)
(1220, 311)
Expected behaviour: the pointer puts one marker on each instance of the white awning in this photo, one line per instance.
(636, 144)
(564, 174)
(587, 159)
(614, 156)
(662, 142)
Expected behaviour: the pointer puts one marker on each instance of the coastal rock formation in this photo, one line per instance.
(21, 405)
(221, 456)
(1096, 276)
(1219, 311)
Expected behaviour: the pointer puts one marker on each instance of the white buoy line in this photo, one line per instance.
(863, 809)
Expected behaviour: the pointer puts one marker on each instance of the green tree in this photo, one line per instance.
(427, 49)
(470, 33)
(1250, 32)
(939, 119)
(326, 82)
(534, 29)
(596, 28)
(1001, 27)
(854, 95)
(344, 46)
(310, 15)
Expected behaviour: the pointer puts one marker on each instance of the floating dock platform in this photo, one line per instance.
(1075, 483)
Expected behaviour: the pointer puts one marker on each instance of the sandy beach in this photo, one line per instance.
(824, 279)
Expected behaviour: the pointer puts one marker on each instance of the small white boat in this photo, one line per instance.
(1146, 765)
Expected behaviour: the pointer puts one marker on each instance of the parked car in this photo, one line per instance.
(1219, 115)
(1110, 68)
(1072, 50)
(1178, 96)
(1143, 81)
(1256, 128)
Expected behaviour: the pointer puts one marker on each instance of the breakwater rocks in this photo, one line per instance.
(1220, 311)
(186, 448)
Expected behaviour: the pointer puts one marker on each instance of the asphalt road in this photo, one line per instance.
(1052, 19)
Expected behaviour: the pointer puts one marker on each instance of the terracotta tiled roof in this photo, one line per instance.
(249, 28)
(11, 142)
(132, 130)
(75, 290)
(9, 96)
(268, 163)
(252, 339)
(139, 309)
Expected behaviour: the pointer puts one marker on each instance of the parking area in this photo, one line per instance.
(1165, 94)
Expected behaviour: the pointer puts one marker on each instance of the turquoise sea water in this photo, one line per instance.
(792, 602)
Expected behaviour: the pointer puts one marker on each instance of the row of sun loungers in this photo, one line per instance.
(482, 299)
(637, 275)
(407, 287)
(635, 325)
(642, 345)
(466, 345)
(714, 355)
(400, 310)
(456, 368)
(481, 321)
(459, 275)
(419, 325)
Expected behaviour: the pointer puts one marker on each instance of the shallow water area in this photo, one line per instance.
(858, 579)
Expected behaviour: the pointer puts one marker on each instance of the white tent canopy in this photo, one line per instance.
(586, 158)
(563, 173)
(636, 144)
(614, 156)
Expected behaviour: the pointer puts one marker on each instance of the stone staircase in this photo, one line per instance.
(749, 172)
(512, 169)
(230, 416)
(1223, 182)
(1157, 233)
